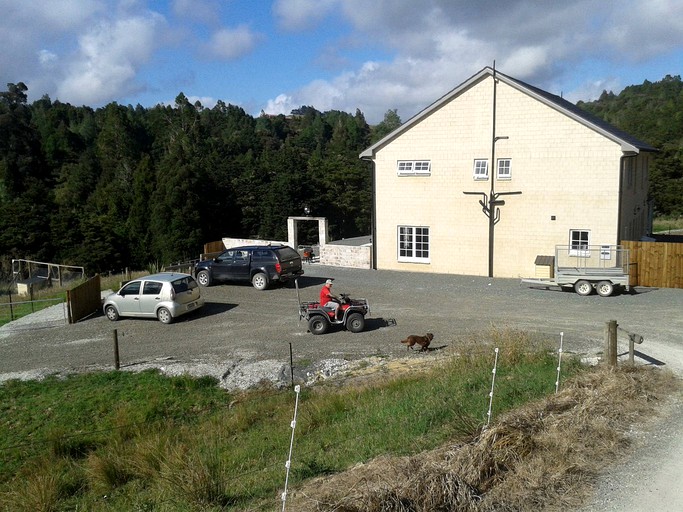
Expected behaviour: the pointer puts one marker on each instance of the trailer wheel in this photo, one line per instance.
(605, 288)
(583, 287)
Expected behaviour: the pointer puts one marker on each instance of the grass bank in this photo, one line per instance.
(123, 441)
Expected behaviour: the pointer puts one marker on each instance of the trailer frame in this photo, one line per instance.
(588, 268)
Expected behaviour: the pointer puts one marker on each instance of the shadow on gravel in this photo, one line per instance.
(374, 324)
(210, 309)
(308, 282)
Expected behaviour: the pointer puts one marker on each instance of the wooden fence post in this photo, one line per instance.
(117, 361)
(611, 343)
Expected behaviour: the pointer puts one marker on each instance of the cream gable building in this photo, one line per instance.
(560, 177)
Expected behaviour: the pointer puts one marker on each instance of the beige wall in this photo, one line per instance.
(562, 168)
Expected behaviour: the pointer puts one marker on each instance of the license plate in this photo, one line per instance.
(191, 305)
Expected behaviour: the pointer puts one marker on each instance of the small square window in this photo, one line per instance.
(481, 169)
(579, 241)
(504, 169)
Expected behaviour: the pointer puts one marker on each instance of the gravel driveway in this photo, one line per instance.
(243, 335)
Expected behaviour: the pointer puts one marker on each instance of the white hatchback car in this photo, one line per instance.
(164, 296)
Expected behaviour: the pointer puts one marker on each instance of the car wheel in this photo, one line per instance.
(260, 281)
(583, 287)
(204, 278)
(355, 322)
(111, 313)
(318, 324)
(604, 288)
(164, 316)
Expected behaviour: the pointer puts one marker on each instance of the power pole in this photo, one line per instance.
(490, 204)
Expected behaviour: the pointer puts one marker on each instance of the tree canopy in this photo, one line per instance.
(123, 186)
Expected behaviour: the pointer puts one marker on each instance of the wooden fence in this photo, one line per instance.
(84, 300)
(656, 264)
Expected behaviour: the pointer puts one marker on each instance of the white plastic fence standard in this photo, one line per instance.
(559, 364)
(288, 464)
(493, 383)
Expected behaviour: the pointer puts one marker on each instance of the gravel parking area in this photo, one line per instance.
(242, 335)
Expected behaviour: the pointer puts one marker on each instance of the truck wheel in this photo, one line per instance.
(583, 287)
(355, 322)
(318, 325)
(204, 278)
(605, 288)
(260, 281)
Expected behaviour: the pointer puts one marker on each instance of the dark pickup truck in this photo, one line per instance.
(262, 265)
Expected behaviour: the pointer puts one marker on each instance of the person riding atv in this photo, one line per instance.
(328, 300)
(333, 310)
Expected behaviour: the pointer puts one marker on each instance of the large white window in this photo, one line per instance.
(413, 167)
(579, 240)
(413, 244)
(481, 169)
(504, 168)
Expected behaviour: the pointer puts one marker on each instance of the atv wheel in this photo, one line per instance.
(355, 322)
(318, 324)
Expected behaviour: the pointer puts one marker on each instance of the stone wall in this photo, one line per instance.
(346, 256)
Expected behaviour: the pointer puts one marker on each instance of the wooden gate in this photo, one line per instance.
(84, 300)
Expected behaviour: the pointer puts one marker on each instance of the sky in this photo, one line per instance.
(372, 55)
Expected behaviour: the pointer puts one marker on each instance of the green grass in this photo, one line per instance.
(667, 224)
(147, 442)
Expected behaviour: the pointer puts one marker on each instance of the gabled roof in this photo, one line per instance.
(629, 144)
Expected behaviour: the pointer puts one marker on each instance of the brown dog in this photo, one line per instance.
(423, 341)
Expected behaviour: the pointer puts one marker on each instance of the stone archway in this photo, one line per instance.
(292, 230)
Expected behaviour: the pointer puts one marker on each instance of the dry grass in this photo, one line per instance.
(542, 456)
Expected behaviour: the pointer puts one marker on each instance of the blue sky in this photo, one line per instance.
(373, 55)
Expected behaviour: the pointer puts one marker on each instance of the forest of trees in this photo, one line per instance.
(123, 187)
(119, 186)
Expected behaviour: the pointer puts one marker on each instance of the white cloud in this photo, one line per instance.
(436, 44)
(231, 44)
(108, 59)
(301, 14)
(282, 104)
(204, 11)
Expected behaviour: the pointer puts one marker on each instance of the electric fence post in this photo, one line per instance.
(288, 464)
(493, 383)
(559, 364)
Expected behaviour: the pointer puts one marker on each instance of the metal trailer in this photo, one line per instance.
(602, 268)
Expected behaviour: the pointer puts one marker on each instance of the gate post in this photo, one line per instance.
(611, 343)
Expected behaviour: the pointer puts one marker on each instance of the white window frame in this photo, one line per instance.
(413, 167)
(479, 165)
(579, 242)
(501, 165)
(413, 244)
